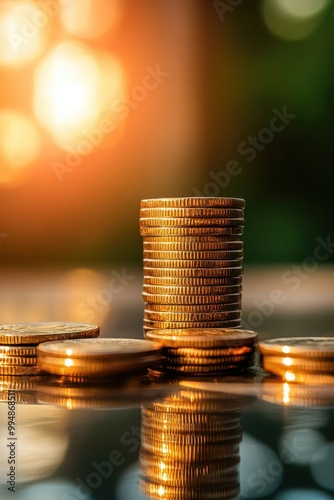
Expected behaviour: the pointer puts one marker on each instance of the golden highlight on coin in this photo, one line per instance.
(192, 202)
(198, 212)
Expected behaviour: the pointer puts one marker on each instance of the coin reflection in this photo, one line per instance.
(190, 446)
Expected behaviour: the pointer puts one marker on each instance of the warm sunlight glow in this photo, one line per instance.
(286, 393)
(287, 361)
(68, 362)
(73, 88)
(89, 18)
(23, 27)
(289, 376)
(69, 352)
(161, 491)
(19, 145)
(286, 349)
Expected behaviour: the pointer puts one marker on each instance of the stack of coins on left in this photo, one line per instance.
(19, 341)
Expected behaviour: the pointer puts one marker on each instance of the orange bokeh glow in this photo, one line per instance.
(23, 29)
(89, 18)
(72, 89)
(19, 145)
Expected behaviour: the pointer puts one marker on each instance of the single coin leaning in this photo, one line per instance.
(191, 231)
(35, 333)
(190, 222)
(192, 299)
(199, 212)
(304, 365)
(307, 347)
(193, 202)
(203, 337)
(193, 255)
(187, 264)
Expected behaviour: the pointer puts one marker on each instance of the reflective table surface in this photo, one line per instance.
(242, 436)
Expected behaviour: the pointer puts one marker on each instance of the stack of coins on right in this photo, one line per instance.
(193, 254)
(306, 360)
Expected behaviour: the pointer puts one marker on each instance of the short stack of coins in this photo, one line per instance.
(193, 253)
(305, 360)
(19, 342)
(190, 446)
(204, 352)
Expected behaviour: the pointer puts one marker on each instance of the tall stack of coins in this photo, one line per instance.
(19, 341)
(307, 360)
(193, 254)
(190, 446)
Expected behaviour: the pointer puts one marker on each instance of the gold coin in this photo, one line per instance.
(206, 362)
(17, 360)
(224, 239)
(204, 337)
(173, 436)
(307, 347)
(35, 333)
(234, 255)
(20, 351)
(156, 490)
(168, 425)
(192, 281)
(191, 352)
(185, 420)
(191, 231)
(100, 349)
(19, 370)
(190, 222)
(187, 264)
(303, 365)
(210, 316)
(191, 299)
(192, 202)
(159, 325)
(191, 290)
(206, 308)
(102, 368)
(19, 383)
(194, 272)
(179, 245)
(292, 376)
(183, 212)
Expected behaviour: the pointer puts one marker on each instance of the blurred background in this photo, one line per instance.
(106, 102)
